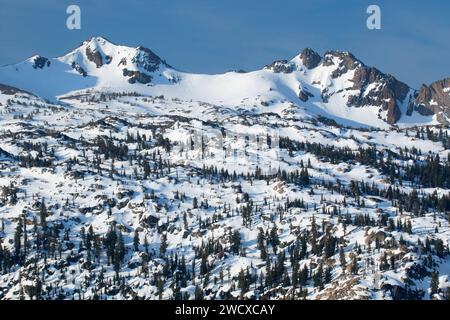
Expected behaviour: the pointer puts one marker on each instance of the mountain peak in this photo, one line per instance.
(98, 41)
(310, 58)
(342, 58)
(101, 51)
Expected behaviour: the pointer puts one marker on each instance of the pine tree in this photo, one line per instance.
(303, 276)
(89, 238)
(354, 265)
(317, 278)
(43, 213)
(261, 245)
(328, 276)
(242, 282)
(439, 248)
(236, 241)
(342, 260)
(273, 238)
(21, 293)
(434, 283)
(146, 244)
(110, 244)
(163, 245)
(185, 221)
(204, 264)
(18, 238)
(136, 241)
(195, 203)
(120, 247)
(198, 294)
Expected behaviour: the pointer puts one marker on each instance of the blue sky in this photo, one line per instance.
(219, 35)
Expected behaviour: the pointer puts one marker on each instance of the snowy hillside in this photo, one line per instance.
(122, 177)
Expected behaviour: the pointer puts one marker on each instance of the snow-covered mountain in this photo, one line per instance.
(122, 177)
(336, 86)
(95, 63)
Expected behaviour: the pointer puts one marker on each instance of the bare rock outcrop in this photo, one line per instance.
(310, 58)
(435, 99)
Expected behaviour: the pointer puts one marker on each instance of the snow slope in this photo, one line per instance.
(324, 89)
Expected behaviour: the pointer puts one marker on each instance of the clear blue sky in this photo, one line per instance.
(212, 36)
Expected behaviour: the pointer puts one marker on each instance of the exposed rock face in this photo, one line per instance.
(372, 87)
(304, 94)
(386, 91)
(310, 58)
(364, 76)
(379, 236)
(147, 59)
(434, 99)
(79, 69)
(346, 61)
(137, 76)
(411, 104)
(346, 289)
(40, 62)
(95, 57)
(424, 110)
(122, 62)
(281, 66)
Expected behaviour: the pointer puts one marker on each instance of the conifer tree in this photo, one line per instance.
(163, 245)
(342, 260)
(434, 283)
(136, 241)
